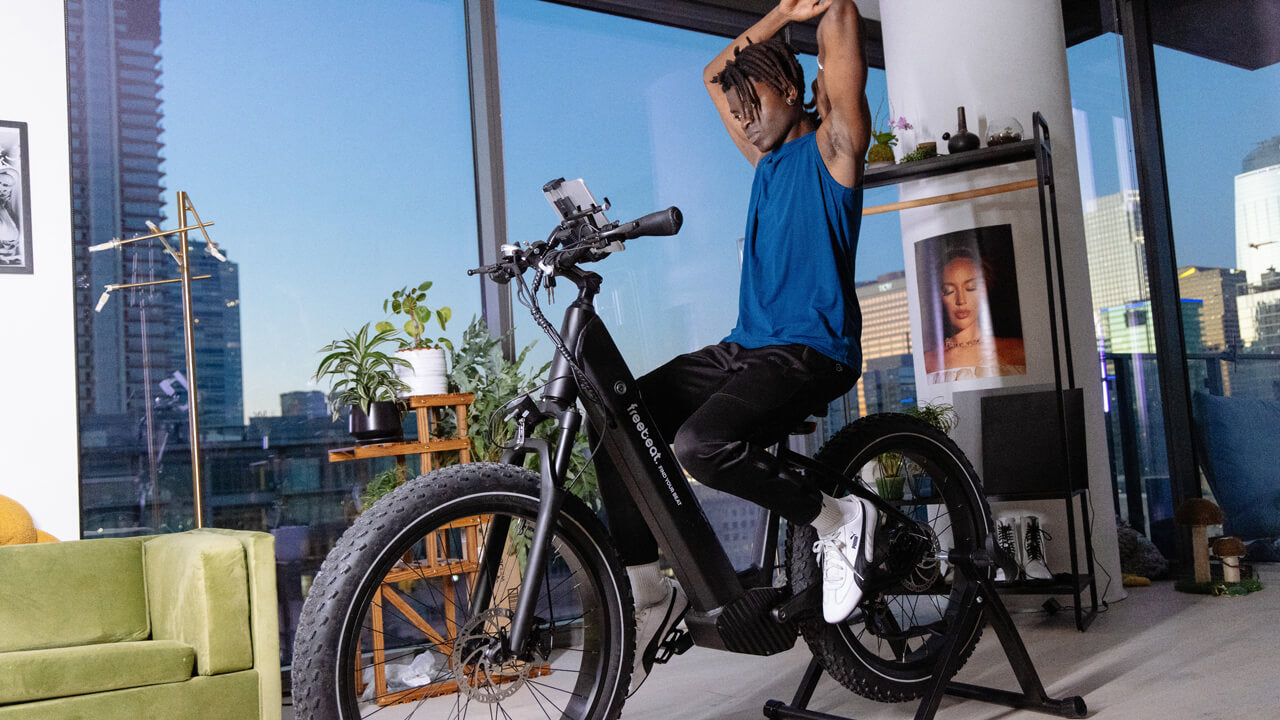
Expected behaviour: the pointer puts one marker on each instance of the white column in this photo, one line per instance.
(1001, 58)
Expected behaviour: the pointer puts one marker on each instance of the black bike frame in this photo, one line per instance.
(629, 437)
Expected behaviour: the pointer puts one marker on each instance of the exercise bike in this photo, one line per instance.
(490, 590)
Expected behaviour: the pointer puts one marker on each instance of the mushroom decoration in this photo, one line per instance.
(1230, 549)
(1199, 513)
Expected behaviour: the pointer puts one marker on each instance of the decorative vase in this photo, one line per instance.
(1004, 130)
(426, 372)
(381, 424)
(962, 140)
(880, 155)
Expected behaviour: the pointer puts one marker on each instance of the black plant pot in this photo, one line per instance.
(381, 424)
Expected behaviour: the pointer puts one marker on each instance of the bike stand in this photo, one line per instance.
(981, 599)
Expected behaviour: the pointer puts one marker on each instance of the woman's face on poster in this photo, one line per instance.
(962, 292)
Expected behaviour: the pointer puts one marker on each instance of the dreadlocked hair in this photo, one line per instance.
(772, 62)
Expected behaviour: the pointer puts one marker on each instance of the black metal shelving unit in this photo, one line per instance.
(1068, 486)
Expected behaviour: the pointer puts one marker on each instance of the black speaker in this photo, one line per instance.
(1025, 453)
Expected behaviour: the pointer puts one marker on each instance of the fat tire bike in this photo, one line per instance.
(488, 590)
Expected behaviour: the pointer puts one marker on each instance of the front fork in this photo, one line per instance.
(554, 466)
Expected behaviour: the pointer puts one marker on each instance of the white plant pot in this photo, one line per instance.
(426, 374)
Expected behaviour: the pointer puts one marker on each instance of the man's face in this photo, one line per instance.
(768, 126)
(7, 182)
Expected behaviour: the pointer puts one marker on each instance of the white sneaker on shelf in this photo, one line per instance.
(653, 623)
(845, 554)
(1033, 540)
(1009, 540)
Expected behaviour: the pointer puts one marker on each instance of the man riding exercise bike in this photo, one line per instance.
(796, 344)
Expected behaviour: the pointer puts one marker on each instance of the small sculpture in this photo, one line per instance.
(963, 139)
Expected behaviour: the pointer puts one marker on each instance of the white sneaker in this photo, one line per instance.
(845, 555)
(653, 623)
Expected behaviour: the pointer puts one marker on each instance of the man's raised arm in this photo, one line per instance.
(845, 132)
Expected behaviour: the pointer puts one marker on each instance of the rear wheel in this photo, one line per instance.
(393, 625)
(889, 649)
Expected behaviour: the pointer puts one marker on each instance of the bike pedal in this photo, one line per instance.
(677, 642)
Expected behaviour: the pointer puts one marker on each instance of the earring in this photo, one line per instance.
(791, 101)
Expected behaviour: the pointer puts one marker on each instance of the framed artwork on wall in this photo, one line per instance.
(15, 199)
(971, 320)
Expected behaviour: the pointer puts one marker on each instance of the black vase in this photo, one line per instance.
(381, 424)
(963, 139)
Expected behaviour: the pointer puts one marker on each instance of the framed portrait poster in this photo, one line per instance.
(15, 199)
(970, 316)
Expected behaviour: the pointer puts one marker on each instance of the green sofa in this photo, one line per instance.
(167, 626)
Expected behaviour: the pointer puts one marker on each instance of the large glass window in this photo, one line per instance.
(331, 151)
(627, 111)
(1121, 296)
(621, 104)
(1223, 160)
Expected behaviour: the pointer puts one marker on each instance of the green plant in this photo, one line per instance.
(923, 152)
(381, 484)
(408, 301)
(940, 415)
(479, 368)
(893, 467)
(364, 373)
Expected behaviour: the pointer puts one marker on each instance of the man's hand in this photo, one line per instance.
(801, 10)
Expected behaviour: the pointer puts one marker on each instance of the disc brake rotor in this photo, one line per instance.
(479, 677)
(927, 569)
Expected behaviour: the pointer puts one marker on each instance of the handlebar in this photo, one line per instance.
(578, 241)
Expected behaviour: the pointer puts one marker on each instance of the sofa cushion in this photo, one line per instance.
(198, 593)
(27, 675)
(233, 696)
(1241, 459)
(72, 593)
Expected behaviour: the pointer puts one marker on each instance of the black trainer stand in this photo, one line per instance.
(980, 599)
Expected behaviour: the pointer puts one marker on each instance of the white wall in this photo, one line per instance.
(38, 437)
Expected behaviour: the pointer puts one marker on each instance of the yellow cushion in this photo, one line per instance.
(16, 527)
(60, 672)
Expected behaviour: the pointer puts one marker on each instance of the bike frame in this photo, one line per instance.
(646, 466)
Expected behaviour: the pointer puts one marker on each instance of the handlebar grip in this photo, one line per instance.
(662, 222)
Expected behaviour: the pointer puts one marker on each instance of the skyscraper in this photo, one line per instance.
(1217, 288)
(1114, 240)
(131, 358)
(1258, 210)
(114, 85)
(888, 375)
(135, 342)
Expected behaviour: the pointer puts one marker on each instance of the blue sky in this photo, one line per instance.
(332, 150)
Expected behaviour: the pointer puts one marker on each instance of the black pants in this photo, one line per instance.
(722, 407)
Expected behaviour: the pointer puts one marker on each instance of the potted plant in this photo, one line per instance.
(892, 467)
(423, 371)
(880, 154)
(367, 382)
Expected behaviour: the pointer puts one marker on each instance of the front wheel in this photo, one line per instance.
(394, 624)
(891, 646)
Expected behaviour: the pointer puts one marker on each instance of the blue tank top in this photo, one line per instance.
(797, 259)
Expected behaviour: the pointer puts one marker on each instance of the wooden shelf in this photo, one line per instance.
(361, 452)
